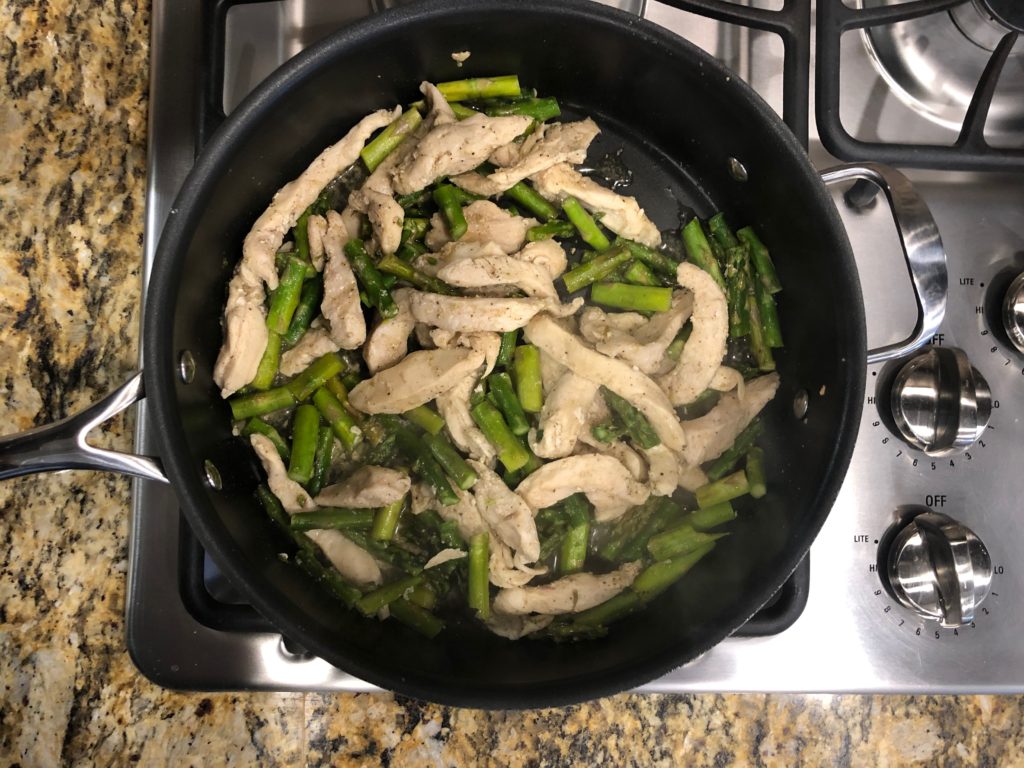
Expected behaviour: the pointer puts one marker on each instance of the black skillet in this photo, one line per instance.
(680, 119)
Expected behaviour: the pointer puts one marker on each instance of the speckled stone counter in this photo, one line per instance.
(72, 165)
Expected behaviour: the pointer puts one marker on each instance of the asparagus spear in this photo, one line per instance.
(448, 200)
(755, 472)
(480, 88)
(639, 273)
(598, 268)
(539, 109)
(573, 552)
(636, 424)
(372, 602)
(308, 307)
(269, 363)
(393, 265)
(285, 298)
(385, 522)
(479, 598)
(610, 610)
(450, 460)
(305, 432)
(726, 489)
(414, 228)
(526, 366)
(758, 342)
(315, 376)
(332, 517)
(321, 460)
(550, 229)
(721, 232)
(256, 426)
(500, 387)
(736, 289)
(328, 577)
(507, 349)
(511, 451)
(425, 418)
(337, 415)
(388, 140)
(656, 260)
(698, 250)
(639, 298)
(677, 541)
(762, 260)
(530, 199)
(585, 224)
(721, 466)
(416, 617)
(423, 463)
(261, 403)
(370, 278)
(661, 575)
(711, 517)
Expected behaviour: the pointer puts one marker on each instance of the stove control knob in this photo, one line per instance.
(1013, 312)
(940, 403)
(939, 569)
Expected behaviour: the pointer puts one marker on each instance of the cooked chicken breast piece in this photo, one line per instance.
(472, 313)
(705, 348)
(267, 234)
(617, 449)
(506, 513)
(561, 143)
(444, 556)
(367, 487)
(352, 561)
(316, 228)
(293, 497)
(634, 338)
(491, 266)
(464, 513)
(340, 305)
(485, 223)
(546, 253)
(417, 379)
(453, 148)
(662, 470)
(618, 376)
(316, 342)
(607, 484)
(563, 416)
(508, 570)
(569, 594)
(515, 627)
(482, 341)
(711, 434)
(388, 342)
(245, 333)
(619, 213)
(453, 406)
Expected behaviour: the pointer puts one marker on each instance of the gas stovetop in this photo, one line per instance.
(842, 623)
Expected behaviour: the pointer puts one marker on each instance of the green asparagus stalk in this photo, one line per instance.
(285, 297)
(639, 273)
(607, 432)
(585, 225)
(403, 270)
(598, 268)
(414, 228)
(526, 196)
(415, 617)
(308, 308)
(321, 460)
(480, 88)
(661, 575)
(638, 298)
(677, 541)
(461, 111)
(385, 522)
(698, 250)
(736, 289)
(370, 278)
(305, 432)
(272, 506)
(479, 598)
(769, 315)
(507, 349)
(758, 342)
(511, 452)
(261, 403)
(328, 577)
(342, 423)
(423, 596)
(500, 387)
(763, 264)
(414, 200)
(447, 199)
(269, 363)
(256, 426)
(721, 232)
(610, 610)
(423, 462)
(339, 518)
(573, 552)
(425, 418)
(711, 517)
(656, 260)
(539, 109)
(315, 376)
(637, 426)
(755, 472)
(372, 602)
(384, 143)
(526, 367)
(550, 229)
(728, 488)
(453, 464)
(721, 466)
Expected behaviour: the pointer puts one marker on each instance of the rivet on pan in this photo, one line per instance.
(212, 475)
(292, 650)
(801, 402)
(737, 170)
(187, 367)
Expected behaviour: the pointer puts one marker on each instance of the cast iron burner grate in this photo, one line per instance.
(207, 596)
(971, 150)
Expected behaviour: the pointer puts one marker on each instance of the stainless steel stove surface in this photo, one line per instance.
(856, 632)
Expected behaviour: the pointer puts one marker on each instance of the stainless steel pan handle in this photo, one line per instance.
(64, 444)
(922, 248)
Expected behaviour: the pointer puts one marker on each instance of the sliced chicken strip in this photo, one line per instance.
(726, 379)
(563, 416)
(417, 379)
(483, 341)
(471, 313)
(293, 497)
(421, 499)
(386, 217)
(508, 570)
(316, 228)
(561, 143)
(491, 266)
(463, 513)
(453, 406)
(548, 254)
(607, 484)
(631, 336)
(444, 556)
(511, 153)
(245, 333)
(618, 376)
(388, 342)
(367, 487)
(711, 434)
(570, 594)
(515, 627)
(702, 355)
(340, 305)
(267, 234)
(617, 449)
(485, 223)
(619, 213)
(506, 513)
(551, 372)
(352, 561)
(453, 148)
(690, 477)
(662, 470)
(316, 342)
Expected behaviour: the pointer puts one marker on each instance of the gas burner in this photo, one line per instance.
(934, 63)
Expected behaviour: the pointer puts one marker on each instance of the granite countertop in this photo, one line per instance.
(72, 176)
